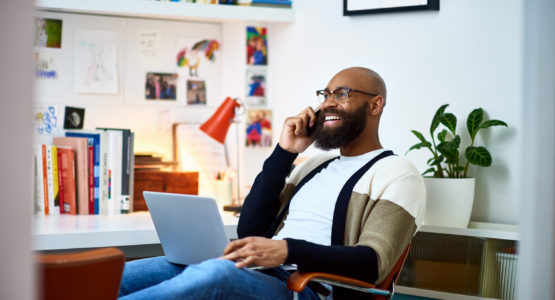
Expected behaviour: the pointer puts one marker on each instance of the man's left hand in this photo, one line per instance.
(257, 251)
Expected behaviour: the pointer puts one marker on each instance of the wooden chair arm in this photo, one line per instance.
(63, 260)
(298, 281)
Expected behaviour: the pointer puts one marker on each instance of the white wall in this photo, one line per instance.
(16, 271)
(469, 54)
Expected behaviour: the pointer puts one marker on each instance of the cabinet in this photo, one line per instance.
(161, 181)
(478, 262)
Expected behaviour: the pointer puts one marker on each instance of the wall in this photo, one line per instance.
(469, 54)
(16, 269)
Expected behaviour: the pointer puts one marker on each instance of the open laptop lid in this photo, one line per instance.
(189, 227)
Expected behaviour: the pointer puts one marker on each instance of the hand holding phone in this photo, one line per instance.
(310, 130)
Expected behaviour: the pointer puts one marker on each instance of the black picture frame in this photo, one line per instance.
(430, 5)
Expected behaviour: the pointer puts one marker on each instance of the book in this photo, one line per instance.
(66, 167)
(45, 180)
(116, 162)
(60, 182)
(126, 168)
(131, 170)
(40, 189)
(52, 179)
(94, 159)
(111, 166)
(81, 162)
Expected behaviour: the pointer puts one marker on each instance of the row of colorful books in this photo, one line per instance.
(266, 3)
(85, 172)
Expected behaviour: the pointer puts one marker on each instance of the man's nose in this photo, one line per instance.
(331, 102)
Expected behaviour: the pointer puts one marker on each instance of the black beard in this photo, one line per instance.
(352, 125)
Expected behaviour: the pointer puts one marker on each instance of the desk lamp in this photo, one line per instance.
(217, 127)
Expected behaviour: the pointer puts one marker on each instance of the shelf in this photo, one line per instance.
(479, 230)
(170, 10)
(435, 294)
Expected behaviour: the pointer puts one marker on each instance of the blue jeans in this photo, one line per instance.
(156, 278)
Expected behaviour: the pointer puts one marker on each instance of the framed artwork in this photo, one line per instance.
(363, 7)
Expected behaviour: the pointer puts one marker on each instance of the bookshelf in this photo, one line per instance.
(170, 10)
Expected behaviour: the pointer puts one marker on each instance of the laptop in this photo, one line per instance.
(189, 227)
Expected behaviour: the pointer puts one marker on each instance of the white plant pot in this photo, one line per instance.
(449, 201)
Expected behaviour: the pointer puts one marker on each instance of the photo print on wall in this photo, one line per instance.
(196, 92)
(257, 46)
(256, 87)
(160, 86)
(48, 33)
(259, 128)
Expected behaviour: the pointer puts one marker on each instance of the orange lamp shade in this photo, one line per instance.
(218, 124)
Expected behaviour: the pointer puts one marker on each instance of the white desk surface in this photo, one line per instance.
(91, 231)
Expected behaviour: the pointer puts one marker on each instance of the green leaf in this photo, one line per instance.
(450, 121)
(420, 136)
(430, 170)
(450, 149)
(418, 146)
(490, 123)
(473, 122)
(441, 136)
(437, 117)
(434, 161)
(479, 156)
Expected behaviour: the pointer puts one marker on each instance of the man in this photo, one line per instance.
(351, 215)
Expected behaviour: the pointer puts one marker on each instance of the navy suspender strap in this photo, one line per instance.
(342, 203)
(272, 230)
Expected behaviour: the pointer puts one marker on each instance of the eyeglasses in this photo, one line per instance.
(340, 94)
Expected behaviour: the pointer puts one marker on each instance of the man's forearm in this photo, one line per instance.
(359, 262)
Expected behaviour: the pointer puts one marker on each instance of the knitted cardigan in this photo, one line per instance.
(383, 212)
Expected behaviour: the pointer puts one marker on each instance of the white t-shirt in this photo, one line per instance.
(311, 209)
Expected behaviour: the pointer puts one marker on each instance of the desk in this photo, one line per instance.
(133, 233)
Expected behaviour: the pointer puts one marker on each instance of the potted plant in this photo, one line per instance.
(450, 193)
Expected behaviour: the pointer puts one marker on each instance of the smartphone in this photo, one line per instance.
(310, 130)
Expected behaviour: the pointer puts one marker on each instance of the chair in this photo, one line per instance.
(92, 274)
(385, 290)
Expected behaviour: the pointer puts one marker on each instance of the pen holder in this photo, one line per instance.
(222, 193)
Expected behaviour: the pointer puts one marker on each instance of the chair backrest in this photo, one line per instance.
(92, 274)
(391, 278)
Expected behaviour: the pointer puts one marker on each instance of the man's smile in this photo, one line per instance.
(330, 120)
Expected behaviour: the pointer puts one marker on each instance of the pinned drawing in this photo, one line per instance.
(96, 62)
(191, 56)
(45, 119)
(45, 65)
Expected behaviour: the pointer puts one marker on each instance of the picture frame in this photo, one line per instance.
(363, 7)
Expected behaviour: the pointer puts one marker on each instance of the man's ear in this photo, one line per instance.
(376, 105)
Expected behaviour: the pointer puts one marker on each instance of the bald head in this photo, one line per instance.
(368, 80)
